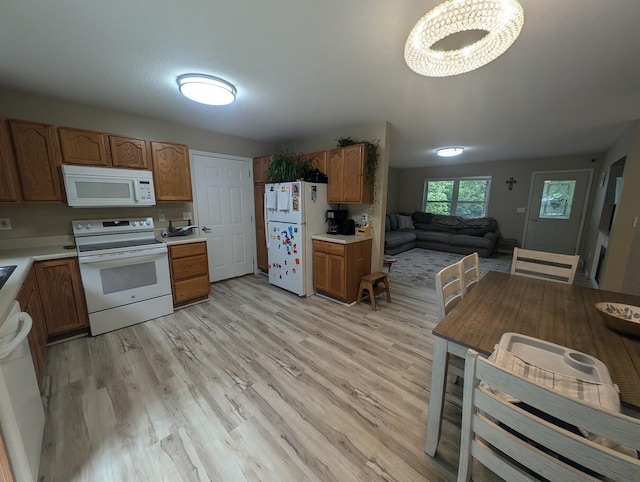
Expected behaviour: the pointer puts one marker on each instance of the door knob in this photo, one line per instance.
(206, 229)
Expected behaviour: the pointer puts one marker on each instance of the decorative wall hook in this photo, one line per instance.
(511, 181)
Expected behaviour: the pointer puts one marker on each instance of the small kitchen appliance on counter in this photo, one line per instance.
(335, 219)
(125, 272)
(294, 212)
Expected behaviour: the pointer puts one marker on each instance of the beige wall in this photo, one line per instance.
(502, 202)
(622, 270)
(393, 189)
(34, 219)
(377, 211)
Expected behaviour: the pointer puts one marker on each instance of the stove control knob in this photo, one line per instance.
(147, 222)
(135, 223)
(79, 226)
(88, 225)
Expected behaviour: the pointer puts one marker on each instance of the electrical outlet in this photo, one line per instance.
(186, 216)
(161, 216)
(5, 224)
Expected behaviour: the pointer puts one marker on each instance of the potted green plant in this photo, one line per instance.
(287, 166)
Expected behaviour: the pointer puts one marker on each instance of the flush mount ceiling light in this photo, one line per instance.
(449, 151)
(206, 89)
(501, 19)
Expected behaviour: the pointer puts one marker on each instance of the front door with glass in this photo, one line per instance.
(557, 206)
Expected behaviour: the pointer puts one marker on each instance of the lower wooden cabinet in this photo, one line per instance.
(63, 303)
(337, 268)
(29, 299)
(261, 243)
(189, 272)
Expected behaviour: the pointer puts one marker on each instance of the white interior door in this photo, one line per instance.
(557, 205)
(223, 203)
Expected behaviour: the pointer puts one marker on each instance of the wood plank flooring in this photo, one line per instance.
(257, 384)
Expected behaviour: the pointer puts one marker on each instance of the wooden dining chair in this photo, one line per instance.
(449, 292)
(543, 265)
(470, 271)
(516, 443)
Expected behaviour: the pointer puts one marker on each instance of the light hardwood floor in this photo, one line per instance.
(256, 384)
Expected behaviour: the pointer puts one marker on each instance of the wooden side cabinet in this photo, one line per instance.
(260, 166)
(337, 268)
(189, 272)
(9, 181)
(29, 299)
(318, 160)
(63, 302)
(38, 160)
(171, 172)
(88, 148)
(345, 170)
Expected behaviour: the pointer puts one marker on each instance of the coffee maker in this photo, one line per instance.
(336, 218)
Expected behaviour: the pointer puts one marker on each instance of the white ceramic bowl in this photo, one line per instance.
(622, 318)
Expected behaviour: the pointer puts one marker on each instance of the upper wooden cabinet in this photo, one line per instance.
(345, 170)
(318, 160)
(38, 160)
(171, 173)
(128, 152)
(260, 165)
(82, 147)
(9, 181)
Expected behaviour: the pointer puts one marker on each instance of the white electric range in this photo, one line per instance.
(125, 272)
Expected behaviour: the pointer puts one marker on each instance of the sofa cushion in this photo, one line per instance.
(420, 217)
(393, 218)
(433, 236)
(476, 231)
(471, 241)
(405, 222)
(397, 238)
(387, 223)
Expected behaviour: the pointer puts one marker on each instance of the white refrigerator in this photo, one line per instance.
(294, 211)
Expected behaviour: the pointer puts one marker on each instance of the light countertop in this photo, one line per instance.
(192, 238)
(340, 238)
(24, 258)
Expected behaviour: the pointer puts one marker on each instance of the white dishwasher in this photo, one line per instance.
(21, 412)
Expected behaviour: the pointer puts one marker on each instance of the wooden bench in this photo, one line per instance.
(371, 283)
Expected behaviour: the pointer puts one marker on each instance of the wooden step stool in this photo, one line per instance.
(370, 283)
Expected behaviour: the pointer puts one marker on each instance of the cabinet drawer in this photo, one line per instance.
(329, 248)
(189, 267)
(191, 249)
(191, 289)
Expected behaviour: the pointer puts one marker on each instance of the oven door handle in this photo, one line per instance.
(93, 259)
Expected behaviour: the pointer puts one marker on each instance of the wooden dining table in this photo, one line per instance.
(556, 312)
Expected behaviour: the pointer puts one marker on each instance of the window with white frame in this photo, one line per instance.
(467, 197)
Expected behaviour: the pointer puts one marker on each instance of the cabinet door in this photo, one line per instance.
(62, 297)
(261, 243)
(29, 299)
(171, 173)
(335, 176)
(128, 152)
(353, 174)
(320, 272)
(260, 165)
(337, 276)
(318, 160)
(9, 182)
(83, 147)
(38, 160)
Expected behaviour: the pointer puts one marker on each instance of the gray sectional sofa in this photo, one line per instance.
(404, 231)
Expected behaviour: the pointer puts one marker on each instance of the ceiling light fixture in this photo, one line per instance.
(501, 19)
(449, 151)
(206, 89)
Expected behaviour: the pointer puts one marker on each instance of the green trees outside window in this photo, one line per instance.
(465, 197)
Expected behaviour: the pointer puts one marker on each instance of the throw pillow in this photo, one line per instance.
(422, 217)
(387, 224)
(405, 222)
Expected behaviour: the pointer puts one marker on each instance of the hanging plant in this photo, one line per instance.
(372, 159)
(287, 166)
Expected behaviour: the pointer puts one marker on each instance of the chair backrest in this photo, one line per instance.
(449, 288)
(470, 271)
(514, 442)
(543, 265)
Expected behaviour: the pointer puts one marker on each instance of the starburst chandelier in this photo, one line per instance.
(501, 19)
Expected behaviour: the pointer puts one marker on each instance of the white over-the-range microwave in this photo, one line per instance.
(88, 186)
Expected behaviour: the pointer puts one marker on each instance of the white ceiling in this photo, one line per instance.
(569, 85)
